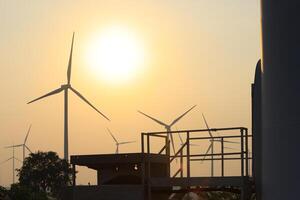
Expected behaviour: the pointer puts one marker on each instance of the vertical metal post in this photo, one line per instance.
(143, 162)
(212, 157)
(181, 163)
(74, 181)
(74, 174)
(148, 168)
(222, 156)
(168, 155)
(242, 152)
(247, 153)
(168, 145)
(188, 155)
(13, 171)
(142, 143)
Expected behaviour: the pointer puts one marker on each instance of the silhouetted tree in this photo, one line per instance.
(18, 192)
(45, 172)
(3, 192)
(21, 192)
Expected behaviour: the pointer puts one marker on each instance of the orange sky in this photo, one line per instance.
(198, 52)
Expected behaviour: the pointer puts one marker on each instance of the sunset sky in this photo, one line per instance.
(178, 54)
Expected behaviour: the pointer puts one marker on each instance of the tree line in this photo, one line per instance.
(43, 176)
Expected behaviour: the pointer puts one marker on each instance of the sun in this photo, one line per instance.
(116, 54)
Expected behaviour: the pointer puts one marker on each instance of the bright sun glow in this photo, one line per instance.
(116, 54)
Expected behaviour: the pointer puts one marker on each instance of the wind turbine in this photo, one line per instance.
(168, 126)
(117, 142)
(182, 142)
(65, 88)
(211, 146)
(13, 158)
(23, 145)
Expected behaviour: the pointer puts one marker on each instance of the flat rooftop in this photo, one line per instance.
(113, 159)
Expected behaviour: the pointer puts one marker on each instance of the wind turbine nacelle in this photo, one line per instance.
(65, 86)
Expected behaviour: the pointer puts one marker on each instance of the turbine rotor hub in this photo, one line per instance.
(65, 86)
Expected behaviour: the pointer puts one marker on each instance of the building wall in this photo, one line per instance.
(109, 192)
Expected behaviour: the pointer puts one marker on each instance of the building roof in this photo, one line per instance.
(94, 161)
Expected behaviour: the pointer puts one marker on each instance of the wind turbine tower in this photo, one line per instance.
(13, 158)
(211, 146)
(65, 88)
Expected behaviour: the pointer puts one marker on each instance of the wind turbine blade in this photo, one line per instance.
(195, 145)
(156, 120)
(70, 61)
(28, 148)
(210, 146)
(207, 126)
(113, 136)
(13, 146)
(231, 142)
(6, 161)
(84, 99)
(48, 94)
(225, 141)
(127, 142)
(230, 148)
(180, 138)
(27, 134)
(181, 116)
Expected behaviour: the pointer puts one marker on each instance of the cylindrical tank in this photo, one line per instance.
(280, 99)
(256, 130)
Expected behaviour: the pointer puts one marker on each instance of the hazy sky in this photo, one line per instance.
(196, 52)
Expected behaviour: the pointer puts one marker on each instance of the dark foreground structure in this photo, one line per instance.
(156, 174)
(280, 99)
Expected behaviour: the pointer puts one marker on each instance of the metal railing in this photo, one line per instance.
(239, 135)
